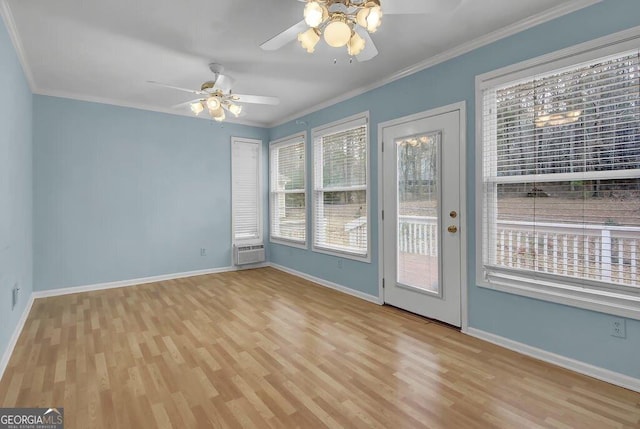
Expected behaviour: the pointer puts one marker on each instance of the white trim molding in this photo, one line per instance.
(344, 289)
(460, 107)
(139, 106)
(316, 154)
(10, 23)
(548, 15)
(6, 356)
(602, 296)
(580, 367)
(140, 281)
(102, 286)
(291, 140)
(465, 48)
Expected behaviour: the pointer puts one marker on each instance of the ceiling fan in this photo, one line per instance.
(350, 22)
(216, 97)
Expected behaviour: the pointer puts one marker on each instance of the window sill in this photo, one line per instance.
(248, 241)
(609, 302)
(289, 243)
(342, 254)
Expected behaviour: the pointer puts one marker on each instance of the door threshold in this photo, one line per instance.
(425, 318)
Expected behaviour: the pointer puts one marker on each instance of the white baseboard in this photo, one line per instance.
(331, 285)
(14, 338)
(609, 376)
(562, 361)
(140, 281)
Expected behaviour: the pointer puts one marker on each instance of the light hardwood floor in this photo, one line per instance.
(264, 349)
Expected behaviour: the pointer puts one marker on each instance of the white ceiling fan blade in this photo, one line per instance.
(257, 99)
(404, 7)
(185, 104)
(370, 49)
(285, 37)
(192, 91)
(224, 83)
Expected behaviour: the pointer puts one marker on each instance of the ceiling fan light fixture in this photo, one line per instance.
(309, 39)
(218, 114)
(315, 14)
(197, 108)
(236, 109)
(213, 103)
(370, 16)
(337, 33)
(356, 44)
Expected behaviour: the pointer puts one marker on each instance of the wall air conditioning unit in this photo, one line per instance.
(249, 254)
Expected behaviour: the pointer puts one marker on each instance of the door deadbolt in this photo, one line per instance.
(452, 229)
(453, 214)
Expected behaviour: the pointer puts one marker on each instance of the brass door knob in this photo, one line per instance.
(452, 229)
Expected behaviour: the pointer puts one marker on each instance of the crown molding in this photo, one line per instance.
(462, 49)
(7, 17)
(119, 103)
(9, 22)
(510, 30)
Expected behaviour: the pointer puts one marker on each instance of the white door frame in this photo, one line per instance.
(461, 107)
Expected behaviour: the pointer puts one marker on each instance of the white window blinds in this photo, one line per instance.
(561, 175)
(340, 188)
(245, 195)
(288, 221)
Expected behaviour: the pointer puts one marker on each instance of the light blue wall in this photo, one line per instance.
(16, 191)
(576, 333)
(123, 193)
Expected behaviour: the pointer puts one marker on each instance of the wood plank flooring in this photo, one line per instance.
(263, 349)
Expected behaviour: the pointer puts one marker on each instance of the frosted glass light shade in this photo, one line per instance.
(370, 17)
(315, 13)
(218, 114)
(356, 44)
(309, 39)
(236, 109)
(197, 108)
(337, 34)
(213, 103)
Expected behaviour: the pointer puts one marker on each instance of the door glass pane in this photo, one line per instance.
(418, 212)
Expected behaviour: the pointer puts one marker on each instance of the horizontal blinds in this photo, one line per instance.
(340, 126)
(561, 170)
(580, 120)
(344, 159)
(340, 187)
(246, 189)
(288, 190)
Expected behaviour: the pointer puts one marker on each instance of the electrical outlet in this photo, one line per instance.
(618, 327)
(340, 263)
(14, 296)
(203, 251)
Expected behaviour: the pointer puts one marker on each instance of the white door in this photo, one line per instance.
(422, 219)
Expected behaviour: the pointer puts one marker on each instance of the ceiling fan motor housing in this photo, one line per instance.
(207, 86)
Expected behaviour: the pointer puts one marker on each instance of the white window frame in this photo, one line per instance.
(277, 144)
(335, 127)
(260, 194)
(587, 294)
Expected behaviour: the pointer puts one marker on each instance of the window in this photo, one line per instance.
(246, 192)
(340, 188)
(288, 194)
(560, 180)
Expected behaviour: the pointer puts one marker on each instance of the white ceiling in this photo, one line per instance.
(106, 50)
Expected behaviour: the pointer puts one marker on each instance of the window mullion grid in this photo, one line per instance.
(600, 143)
(344, 163)
(288, 168)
